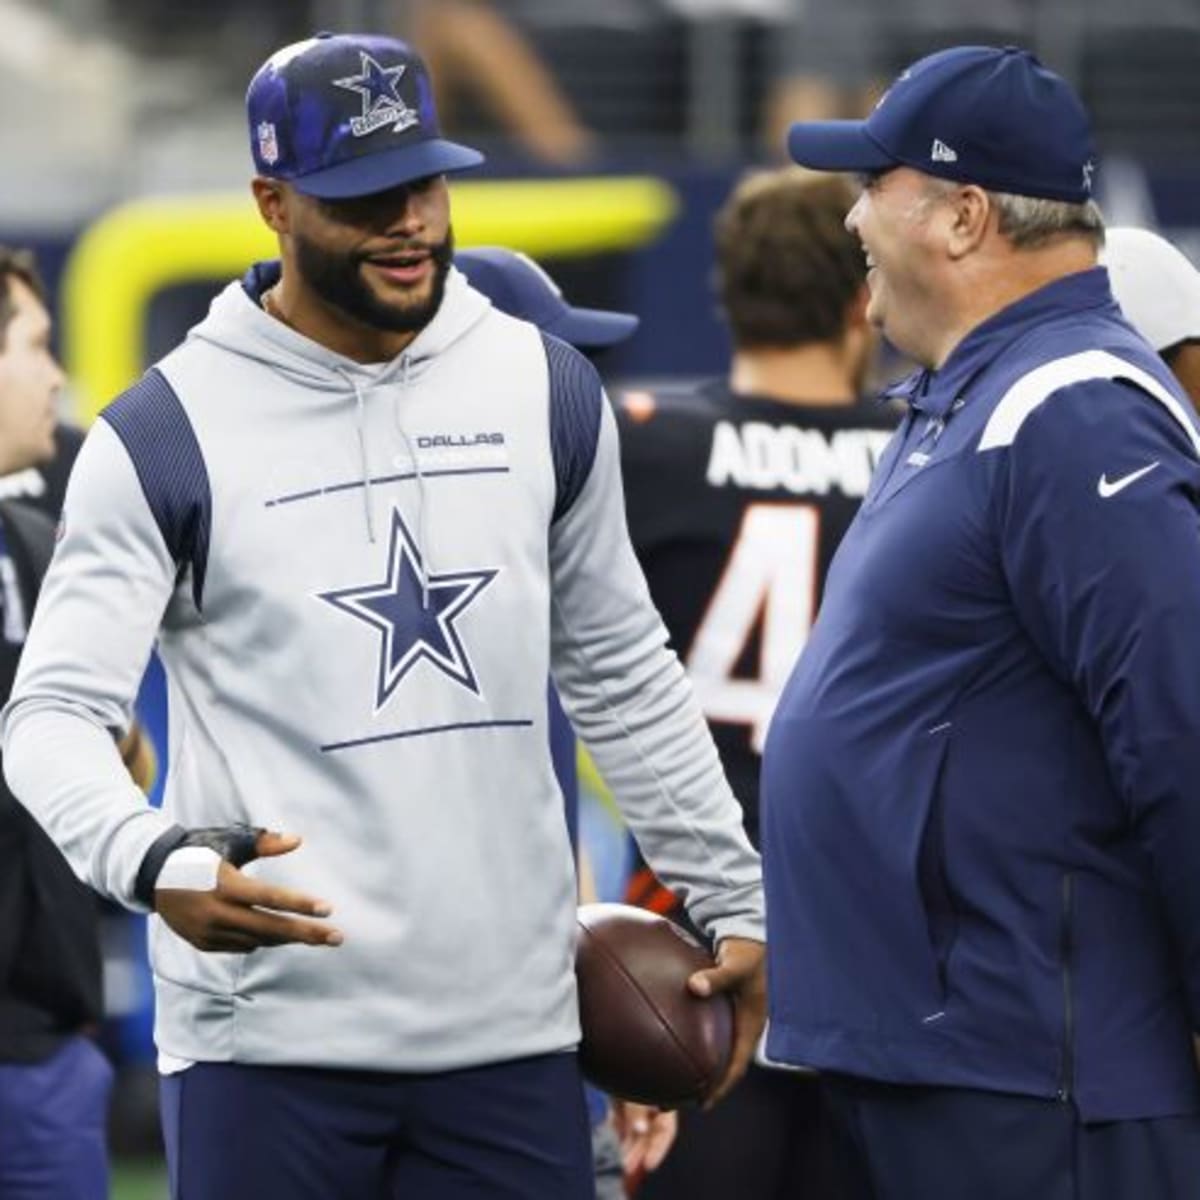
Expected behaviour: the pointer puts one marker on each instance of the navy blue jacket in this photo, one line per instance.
(981, 788)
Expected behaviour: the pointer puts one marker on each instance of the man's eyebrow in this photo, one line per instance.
(867, 178)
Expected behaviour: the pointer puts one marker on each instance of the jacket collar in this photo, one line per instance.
(934, 393)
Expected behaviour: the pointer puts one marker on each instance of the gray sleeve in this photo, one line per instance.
(629, 701)
(96, 618)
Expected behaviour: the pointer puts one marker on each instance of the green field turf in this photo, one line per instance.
(135, 1179)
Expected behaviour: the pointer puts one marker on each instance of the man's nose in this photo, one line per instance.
(401, 210)
(851, 221)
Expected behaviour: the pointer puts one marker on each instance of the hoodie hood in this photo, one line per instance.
(238, 323)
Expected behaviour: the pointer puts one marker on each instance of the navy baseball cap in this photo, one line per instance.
(974, 114)
(343, 115)
(515, 284)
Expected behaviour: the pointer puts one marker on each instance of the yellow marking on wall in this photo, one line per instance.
(138, 249)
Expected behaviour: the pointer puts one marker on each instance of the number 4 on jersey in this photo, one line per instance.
(768, 586)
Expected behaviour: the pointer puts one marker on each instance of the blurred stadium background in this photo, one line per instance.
(613, 131)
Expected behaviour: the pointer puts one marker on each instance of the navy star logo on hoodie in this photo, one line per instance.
(414, 612)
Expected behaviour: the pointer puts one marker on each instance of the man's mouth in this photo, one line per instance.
(406, 267)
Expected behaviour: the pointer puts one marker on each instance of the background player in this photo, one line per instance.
(738, 490)
(1158, 290)
(54, 1081)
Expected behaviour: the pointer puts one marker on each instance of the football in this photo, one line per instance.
(645, 1036)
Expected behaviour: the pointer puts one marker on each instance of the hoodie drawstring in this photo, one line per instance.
(360, 407)
(361, 410)
(422, 541)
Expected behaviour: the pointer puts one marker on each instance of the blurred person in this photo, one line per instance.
(366, 516)
(69, 167)
(1158, 290)
(627, 1138)
(835, 58)
(44, 485)
(472, 47)
(54, 1081)
(979, 825)
(522, 288)
(738, 491)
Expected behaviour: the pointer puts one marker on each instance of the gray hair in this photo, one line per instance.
(1031, 221)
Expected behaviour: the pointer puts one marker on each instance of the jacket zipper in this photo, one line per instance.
(1066, 1080)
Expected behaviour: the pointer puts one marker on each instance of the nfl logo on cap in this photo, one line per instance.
(268, 144)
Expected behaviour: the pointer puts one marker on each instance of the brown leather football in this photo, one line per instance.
(645, 1036)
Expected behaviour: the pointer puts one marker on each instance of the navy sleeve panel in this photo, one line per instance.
(156, 433)
(1100, 541)
(1100, 528)
(576, 397)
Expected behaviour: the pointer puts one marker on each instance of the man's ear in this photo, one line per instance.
(272, 199)
(859, 340)
(856, 308)
(970, 212)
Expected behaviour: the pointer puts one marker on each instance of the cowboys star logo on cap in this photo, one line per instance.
(322, 97)
(381, 102)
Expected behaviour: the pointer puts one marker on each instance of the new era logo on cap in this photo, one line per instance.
(348, 115)
(975, 114)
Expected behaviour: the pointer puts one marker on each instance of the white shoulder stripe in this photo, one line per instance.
(1031, 390)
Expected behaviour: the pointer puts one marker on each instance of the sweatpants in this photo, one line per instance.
(513, 1131)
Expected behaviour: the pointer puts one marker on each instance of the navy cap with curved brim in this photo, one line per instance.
(389, 169)
(517, 285)
(837, 146)
(974, 114)
(345, 115)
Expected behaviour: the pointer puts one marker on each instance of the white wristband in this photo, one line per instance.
(191, 868)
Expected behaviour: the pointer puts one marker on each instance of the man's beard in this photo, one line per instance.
(339, 281)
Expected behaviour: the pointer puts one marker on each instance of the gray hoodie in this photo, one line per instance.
(359, 578)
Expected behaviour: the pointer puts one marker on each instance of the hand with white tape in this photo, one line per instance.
(192, 879)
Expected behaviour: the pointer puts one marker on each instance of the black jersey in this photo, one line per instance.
(736, 505)
(50, 974)
(44, 486)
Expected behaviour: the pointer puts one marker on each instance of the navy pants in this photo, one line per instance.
(764, 1141)
(510, 1131)
(922, 1143)
(53, 1125)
